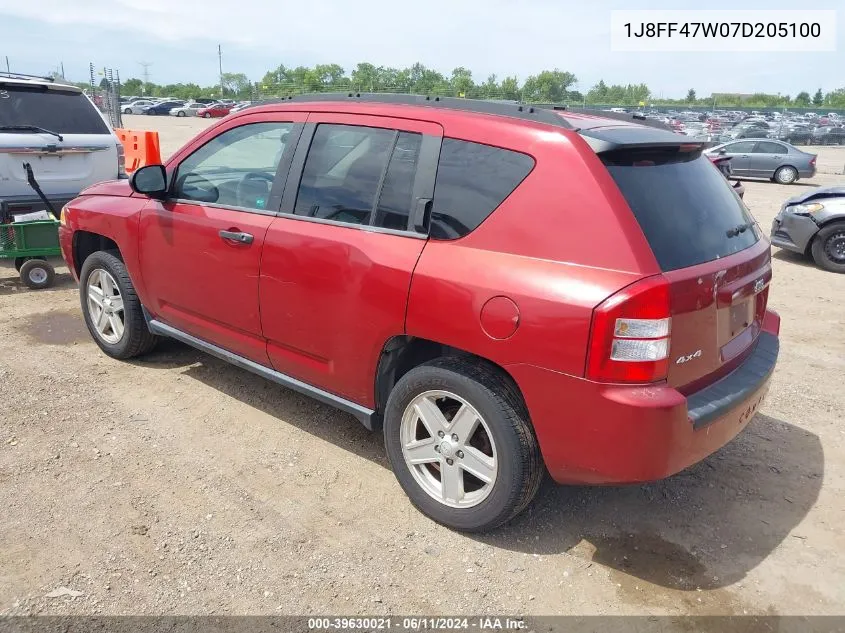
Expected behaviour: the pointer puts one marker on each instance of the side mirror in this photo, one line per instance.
(150, 180)
(723, 151)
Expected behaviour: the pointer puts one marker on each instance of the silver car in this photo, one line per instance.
(814, 223)
(767, 158)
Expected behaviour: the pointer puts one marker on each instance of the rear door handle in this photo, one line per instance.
(236, 236)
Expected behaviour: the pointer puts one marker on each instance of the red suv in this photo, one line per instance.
(502, 289)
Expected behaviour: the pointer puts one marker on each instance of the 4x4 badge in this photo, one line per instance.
(759, 285)
(685, 359)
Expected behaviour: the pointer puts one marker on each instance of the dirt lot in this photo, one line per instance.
(179, 484)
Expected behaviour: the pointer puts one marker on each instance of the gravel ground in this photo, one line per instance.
(178, 484)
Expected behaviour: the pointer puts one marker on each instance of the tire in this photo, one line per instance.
(127, 111)
(786, 175)
(180, 113)
(37, 274)
(828, 247)
(503, 421)
(206, 115)
(135, 339)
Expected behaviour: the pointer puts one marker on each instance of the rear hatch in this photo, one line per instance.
(715, 261)
(86, 153)
(710, 249)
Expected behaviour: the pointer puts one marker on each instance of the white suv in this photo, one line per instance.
(57, 130)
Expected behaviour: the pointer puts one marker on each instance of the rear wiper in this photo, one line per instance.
(30, 128)
(739, 229)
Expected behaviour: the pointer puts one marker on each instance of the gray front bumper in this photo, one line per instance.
(793, 232)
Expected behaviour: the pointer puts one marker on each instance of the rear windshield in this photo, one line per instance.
(54, 110)
(686, 208)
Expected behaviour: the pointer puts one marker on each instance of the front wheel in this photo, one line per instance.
(111, 308)
(180, 114)
(829, 247)
(127, 111)
(461, 445)
(207, 115)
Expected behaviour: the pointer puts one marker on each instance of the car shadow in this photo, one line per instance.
(704, 528)
(794, 258)
(306, 414)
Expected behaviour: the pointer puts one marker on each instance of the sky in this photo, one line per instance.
(179, 39)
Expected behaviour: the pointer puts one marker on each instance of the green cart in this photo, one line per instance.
(29, 244)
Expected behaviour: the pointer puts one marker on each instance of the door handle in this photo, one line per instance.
(236, 236)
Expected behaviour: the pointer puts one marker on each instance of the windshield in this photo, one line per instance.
(687, 210)
(54, 110)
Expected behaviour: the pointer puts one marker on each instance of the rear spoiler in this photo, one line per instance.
(634, 131)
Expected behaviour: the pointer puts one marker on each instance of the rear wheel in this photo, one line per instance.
(37, 274)
(460, 444)
(111, 308)
(786, 175)
(829, 247)
(207, 115)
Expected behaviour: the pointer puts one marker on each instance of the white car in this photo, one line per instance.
(57, 131)
(136, 107)
(189, 109)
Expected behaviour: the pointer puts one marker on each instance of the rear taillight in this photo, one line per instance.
(121, 161)
(813, 161)
(629, 341)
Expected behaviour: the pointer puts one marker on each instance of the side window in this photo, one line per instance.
(396, 198)
(472, 181)
(343, 172)
(743, 147)
(236, 168)
(764, 147)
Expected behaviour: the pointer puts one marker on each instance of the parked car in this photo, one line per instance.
(215, 110)
(189, 109)
(813, 223)
(828, 135)
(793, 133)
(778, 161)
(615, 341)
(163, 107)
(137, 107)
(754, 129)
(60, 134)
(241, 106)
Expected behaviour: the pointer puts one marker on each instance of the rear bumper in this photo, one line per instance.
(28, 204)
(610, 434)
(793, 232)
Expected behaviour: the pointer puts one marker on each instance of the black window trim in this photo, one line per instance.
(423, 187)
(276, 190)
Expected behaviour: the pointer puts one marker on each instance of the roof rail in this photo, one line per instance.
(514, 109)
(11, 75)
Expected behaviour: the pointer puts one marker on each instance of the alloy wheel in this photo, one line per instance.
(449, 449)
(105, 306)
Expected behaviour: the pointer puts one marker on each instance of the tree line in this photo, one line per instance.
(547, 86)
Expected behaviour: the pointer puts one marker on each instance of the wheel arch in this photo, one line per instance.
(400, 354)
(86, 243)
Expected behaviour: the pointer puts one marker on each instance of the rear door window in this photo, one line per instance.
(687, 210)
(472, 181)
(343, 172)
(64, 112)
